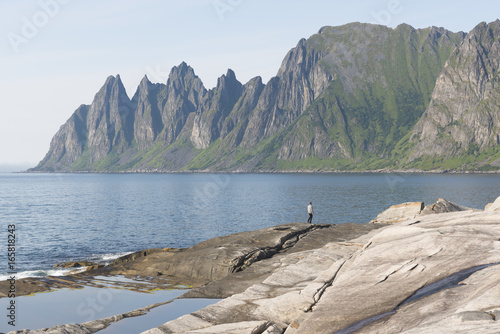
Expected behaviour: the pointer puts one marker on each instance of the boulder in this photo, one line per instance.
(442, 206)
(400, 212)
(495, 206)
(74, 264)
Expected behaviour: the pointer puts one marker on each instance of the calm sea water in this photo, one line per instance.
(62, 217)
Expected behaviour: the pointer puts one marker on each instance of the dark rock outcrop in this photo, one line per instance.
(213, 259)
(74, 264)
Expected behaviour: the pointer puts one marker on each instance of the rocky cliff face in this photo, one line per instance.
(219, 103)
(148, 122)
(464, 115)
(342, 97)
(109, 121)
(183, 95)
(94, 132)
(381, 81)
(69, 142)
(300, 80)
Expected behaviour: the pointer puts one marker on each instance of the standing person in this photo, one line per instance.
(310, 212)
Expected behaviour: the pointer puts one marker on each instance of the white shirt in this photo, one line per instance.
(310, 209)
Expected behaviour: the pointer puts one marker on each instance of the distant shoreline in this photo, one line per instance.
(378, 171)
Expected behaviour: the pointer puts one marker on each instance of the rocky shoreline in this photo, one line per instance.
(415, 269)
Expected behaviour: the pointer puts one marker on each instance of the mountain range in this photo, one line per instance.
(353, 97)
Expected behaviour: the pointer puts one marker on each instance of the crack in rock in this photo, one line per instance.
(288, 241)
(445, 283)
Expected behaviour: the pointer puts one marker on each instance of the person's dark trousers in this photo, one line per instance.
(310, 218)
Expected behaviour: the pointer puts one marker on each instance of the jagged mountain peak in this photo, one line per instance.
(182, 73)
(113, 88)
(485, 31)
(145, 81)
(255, 80)
(227, 80)
(112, 81)
(405, 26)
(144, 89)
(483, 37)
(230, 74)
(302, 43)
(182, 70)
(436, 33)
(183, 65)
(483, 25)
(183, 77)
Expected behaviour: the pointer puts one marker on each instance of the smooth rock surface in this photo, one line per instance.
(342, 284)
(400, 212)
(405, 257)
(495, 206)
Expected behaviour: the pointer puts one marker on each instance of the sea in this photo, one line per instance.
(57, 218)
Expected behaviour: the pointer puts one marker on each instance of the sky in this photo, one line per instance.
(56, 54)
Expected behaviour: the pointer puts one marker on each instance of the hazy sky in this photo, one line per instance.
(56, 54)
